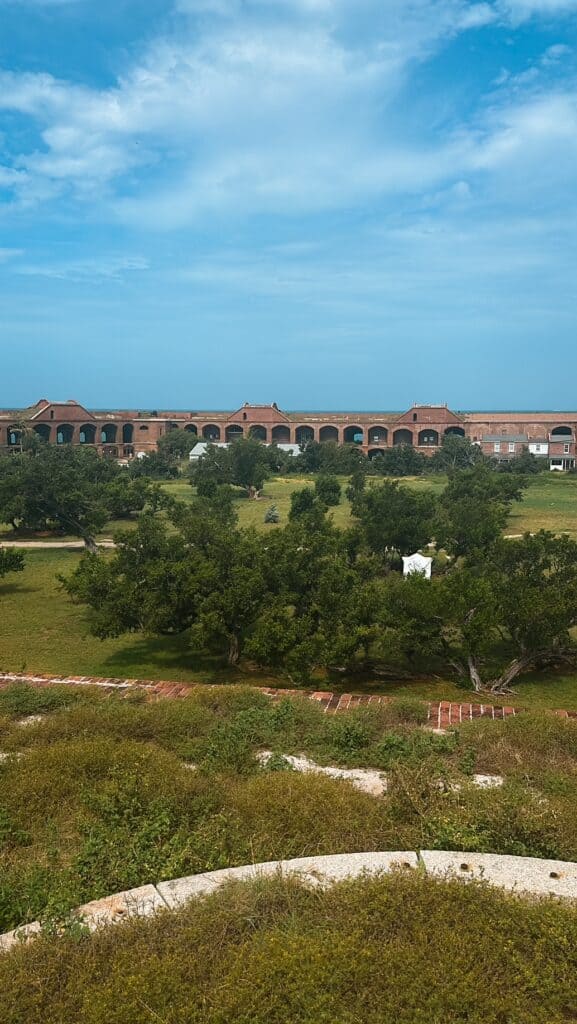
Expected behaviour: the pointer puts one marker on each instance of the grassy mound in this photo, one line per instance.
(392, 950)
(99, 795)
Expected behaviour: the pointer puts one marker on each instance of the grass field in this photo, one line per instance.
(101, 796)
(550, 502)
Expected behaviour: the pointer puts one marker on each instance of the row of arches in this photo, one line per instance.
(353, 434)
(88, 433)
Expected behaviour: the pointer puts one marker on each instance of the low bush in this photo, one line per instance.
(398, 949)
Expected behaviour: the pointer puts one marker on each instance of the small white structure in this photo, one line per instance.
(417, 563)
(201, 448)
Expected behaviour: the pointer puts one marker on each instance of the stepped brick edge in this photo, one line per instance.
(525, 875)
(441, 714)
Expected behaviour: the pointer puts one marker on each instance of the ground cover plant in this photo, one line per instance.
(398, 949)
(99, 794)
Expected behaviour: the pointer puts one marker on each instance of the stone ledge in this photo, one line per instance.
(315, 870)
(520, 874)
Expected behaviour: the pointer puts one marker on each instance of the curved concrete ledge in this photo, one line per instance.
(528, 875)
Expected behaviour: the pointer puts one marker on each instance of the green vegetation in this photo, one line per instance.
(102, 796)
(392, 950)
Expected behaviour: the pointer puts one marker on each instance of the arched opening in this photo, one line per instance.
(64, 434)
(191, 429)
(378, 435)
(88, 434)
(143, 427)
(304, 434)
(376, 453)
(234, 432)
(211, 432)
(281, 434)
(454, 432)
(127, 433)
(563, 431)
(328, 434)
(428, 438)
(353, 435)
(402, 437)
(171, 425)
(14, 437)
(43, 430)
(108, 433)
(257, 432)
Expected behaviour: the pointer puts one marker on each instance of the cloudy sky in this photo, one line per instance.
(324, 203)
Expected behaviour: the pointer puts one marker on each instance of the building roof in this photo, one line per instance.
(520, 438)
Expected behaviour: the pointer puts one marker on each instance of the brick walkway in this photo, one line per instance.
(441, 714)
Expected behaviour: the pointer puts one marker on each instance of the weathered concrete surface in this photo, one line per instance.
(19, 936)
(369, 780)
(141, 902)
(524, 874)
(315, 870)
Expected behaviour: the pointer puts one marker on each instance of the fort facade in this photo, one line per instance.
(124, 434)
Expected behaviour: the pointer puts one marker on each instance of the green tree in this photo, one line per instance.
(328, 490)
(67, 489)
(10, 561)
(456, 453)
(395, 519)
(474, 508)
(177, 442)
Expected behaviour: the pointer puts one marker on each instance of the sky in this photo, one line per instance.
(328, 204)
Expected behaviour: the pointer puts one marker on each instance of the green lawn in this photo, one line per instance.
(550, 502)
(42, 631)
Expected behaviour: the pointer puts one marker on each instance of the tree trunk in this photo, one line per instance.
(90, 544)
(515, 667)
(233, 650)
(474, 674)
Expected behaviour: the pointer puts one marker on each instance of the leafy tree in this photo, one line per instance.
(394, 518)
(456, 453)
(67, 489)
(356, 484)
(402, 460)
(246, 463)
(177, 442)
(327, 457)
(474, 508)
(201, 576)
(328, 490)
(249, 465)
(516, 613)
(302, 502)
(525, 463)
(10, 561)
(160, 465)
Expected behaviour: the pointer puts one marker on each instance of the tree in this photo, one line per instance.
(160, 465)
(68, 489)
(513, 614)
(402, 460)
(249, 465)
(456, 453)
(177, 442)
(10, 561)
(394, 519)
(302, 502)
(328, 490)
(474, 508)
(246, 463)
(197, 574)
(525, 463)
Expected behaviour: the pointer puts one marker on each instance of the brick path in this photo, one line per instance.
(441, 714)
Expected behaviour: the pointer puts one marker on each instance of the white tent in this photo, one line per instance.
(417, 563)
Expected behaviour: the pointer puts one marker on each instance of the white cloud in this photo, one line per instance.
(521, 10)
(245, 116)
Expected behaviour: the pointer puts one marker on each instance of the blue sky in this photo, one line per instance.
(324, 203)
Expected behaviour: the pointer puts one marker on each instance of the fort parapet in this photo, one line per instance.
(124, 434)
